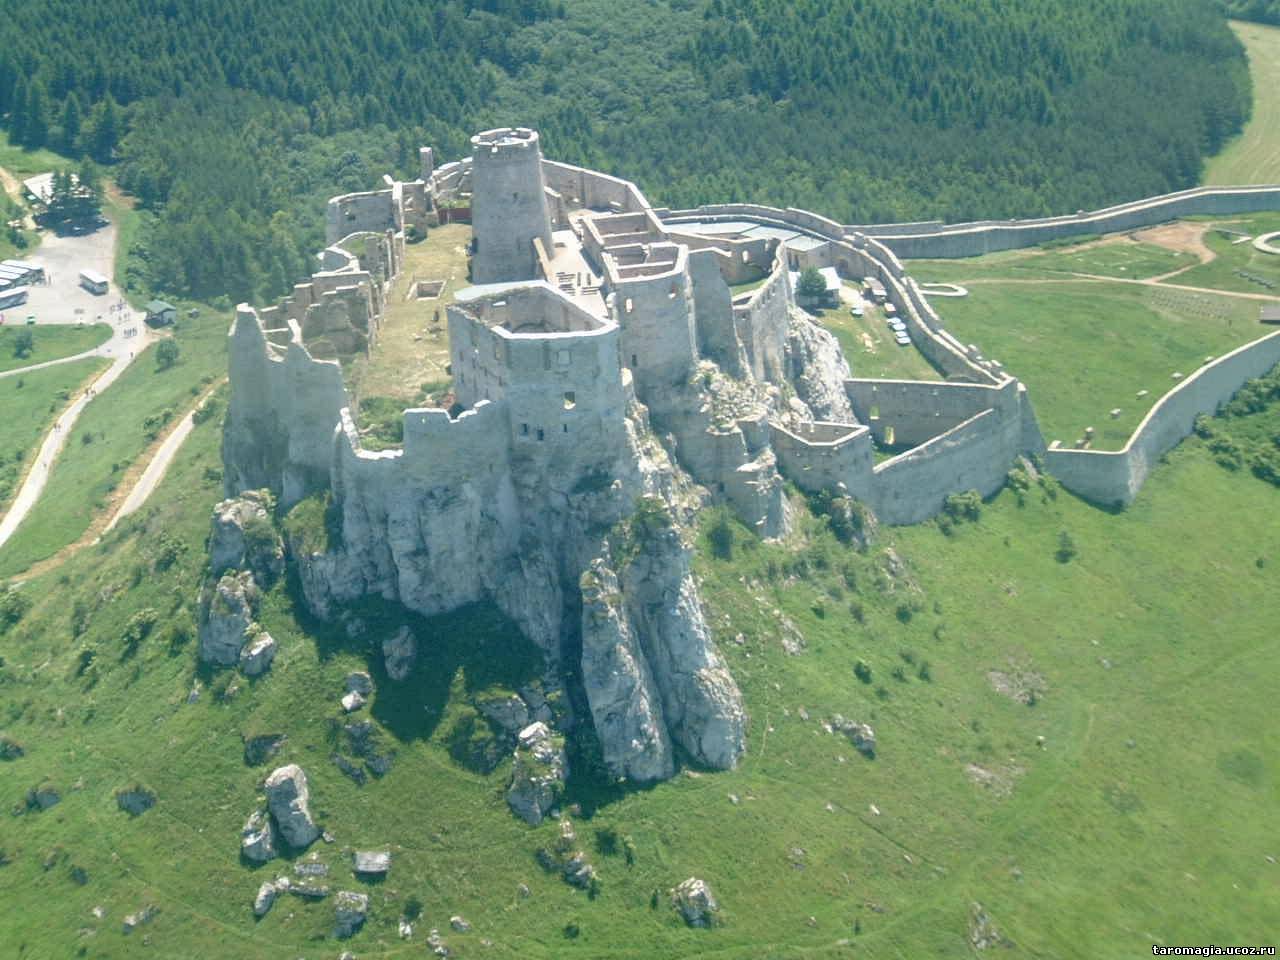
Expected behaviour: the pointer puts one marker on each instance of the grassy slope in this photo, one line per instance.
(86, 474)
(49, 342)
(884, 358)
(1098, 851)
(30, 408)
(1254, 156)
(1221, 272)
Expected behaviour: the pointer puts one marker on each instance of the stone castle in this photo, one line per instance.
(609, 383)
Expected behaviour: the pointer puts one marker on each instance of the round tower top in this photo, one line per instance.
(504, 141)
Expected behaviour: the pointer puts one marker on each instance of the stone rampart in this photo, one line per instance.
(762, 322)
(935, 240)
(589, 189)
(916, 411)
(820, 456)
(1115, 477)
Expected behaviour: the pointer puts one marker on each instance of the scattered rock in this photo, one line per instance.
(10, 749)
(287, 797)
(135, 920)
(860, 735)
(696, 903)
(372, 862)
(982, 930)
(578, 872)
(349, 910)
(399, 651)
(352, 770)
(436, 944)
(263, 747)
(258, 838)
(523, 891)
(405, 928)
(43, 797)
(135, 800)
(256, 656)
(266, 897)
(792, 639)
(352, 702)
(311, 868)
(459, 924)
(1019, 683)
(309, 890)
(358, 682)
(538, 774)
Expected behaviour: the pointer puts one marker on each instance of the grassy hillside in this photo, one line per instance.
(1141, 665)
(115, 428)
(1254, 156)
(30, 402)
(48, 342)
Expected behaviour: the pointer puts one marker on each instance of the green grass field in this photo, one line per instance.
(1254, 156)
(1143, 817)
(87, 473)
(49, 342)
(30, 402)
(1127, 260)
(1087, 347)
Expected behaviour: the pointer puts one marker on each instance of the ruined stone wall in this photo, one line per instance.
(592, 190)
(281, 413)
(374, 211)
(655, 314)
(762, 322)
(821, 456)
(918, 410)
(973, 239)
(1116, 477)
(713, 313)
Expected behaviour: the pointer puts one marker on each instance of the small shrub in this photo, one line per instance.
(721, 536)
(1066, 548)
(925, 672)
(167, 353)
(607, 841)
(904, 613)
(862, 670)
(572, 930)
(882, 693)
(899, 674)
(629, 850)
(13, 607)
(963, 506)
(857, 611)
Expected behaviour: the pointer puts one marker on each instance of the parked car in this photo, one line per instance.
(897, 326)
(857, 310)
(902, 339)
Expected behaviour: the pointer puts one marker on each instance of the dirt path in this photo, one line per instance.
(1152, 282)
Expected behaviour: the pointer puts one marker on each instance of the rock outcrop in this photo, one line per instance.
(243, 538)
(696, 903)
(350, 910)
(258, 838)
(817, 368)
(399, 652)
(227, 617)
(135, 800)
(538, 773)
(257, 655)
(288, 799)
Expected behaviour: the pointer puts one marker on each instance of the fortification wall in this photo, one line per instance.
(974, 455)
(655, 315)
(821, 456)
(1116, 477)
(918, 410)
(281, 414)
(592, 190)
(973, 239)
(374, 211)
(762, 323)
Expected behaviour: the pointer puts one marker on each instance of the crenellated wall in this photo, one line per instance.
(1115, 477)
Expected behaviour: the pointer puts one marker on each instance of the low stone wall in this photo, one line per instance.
(818, 456)
(371, 212)
(593, 190)
(1115, 477)
(919, 410)
(936, 240)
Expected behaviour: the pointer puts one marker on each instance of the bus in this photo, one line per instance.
(93, 281)
(12, 297)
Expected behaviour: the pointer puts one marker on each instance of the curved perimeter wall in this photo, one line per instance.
(942, 241)
(1115, 477)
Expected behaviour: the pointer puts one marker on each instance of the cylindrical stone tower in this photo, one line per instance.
(508, 205)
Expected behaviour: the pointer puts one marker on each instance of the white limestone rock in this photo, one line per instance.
(399, 652)
(817, 367)
(624, 701)
(244, 538)
(226, 622)
(288, 798)
(266, 896)
(860, 735)
(257, 655)
(696, 903)
(701, 702)
(258, 838)
(350, 910)
(538, 773)
(352, 701)
(372, 862)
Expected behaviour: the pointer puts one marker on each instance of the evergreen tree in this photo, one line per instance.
(69, 128)
(35, 131)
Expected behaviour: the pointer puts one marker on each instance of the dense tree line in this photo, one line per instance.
(232, 121)
(1262, 11)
